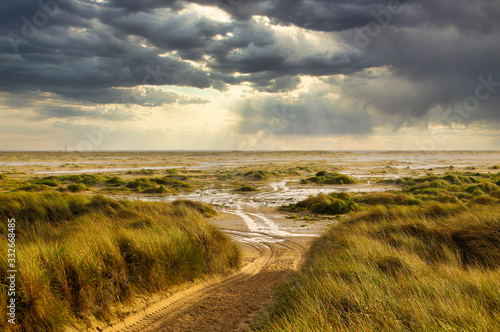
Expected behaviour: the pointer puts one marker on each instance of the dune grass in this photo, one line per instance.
(324, 177)
(433, 266)
(247, 188)
(78, 256)
(172, 183)
(460, 188)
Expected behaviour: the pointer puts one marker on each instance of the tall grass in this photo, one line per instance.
(77, 256)
(454, 187)
(329, 178)
(403, 268)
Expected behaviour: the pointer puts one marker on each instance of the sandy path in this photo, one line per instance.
(225, 304)
(228, 303)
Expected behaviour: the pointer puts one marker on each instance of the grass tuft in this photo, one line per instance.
(79, 256)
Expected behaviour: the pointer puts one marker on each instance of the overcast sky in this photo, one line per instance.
(249, 74)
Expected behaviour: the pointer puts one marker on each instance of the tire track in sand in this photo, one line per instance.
(227, 303)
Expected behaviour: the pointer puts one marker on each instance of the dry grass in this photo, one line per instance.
(404, 268)
(78, 256)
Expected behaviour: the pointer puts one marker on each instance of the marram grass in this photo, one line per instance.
(403, 268)
(77, 256)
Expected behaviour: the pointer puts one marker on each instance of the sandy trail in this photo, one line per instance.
(225, 304)
(229, 303)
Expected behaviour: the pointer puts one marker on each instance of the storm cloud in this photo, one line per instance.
(403, 61)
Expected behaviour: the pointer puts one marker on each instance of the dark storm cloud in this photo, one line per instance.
(320, 15)
(145, 5)
(70, 76)
(73, 59)
(192, 36)
(433, 52)
(429, 68)
(437, 49)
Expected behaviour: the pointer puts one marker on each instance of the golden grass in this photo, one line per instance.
(398, 269)
(77, 256)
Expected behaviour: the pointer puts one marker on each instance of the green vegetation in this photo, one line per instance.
(172, 171)
(169, 181)
(328, 204)
(48, 181)
(143, 172)
(260, 174)
(150, 186)
(116, 180)
(77, 187)
(34, 187)
(78, 255)
(324, 177)
(399, 268)
(449, 188)
(87, 179)
(159, 190)
(140, 184)
(172, 183)
(247, 188)
(424, 259)
(340, 203)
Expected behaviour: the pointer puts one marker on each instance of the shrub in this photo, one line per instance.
(326, 204)
(116, 180)
(49, 181)
(384, 198)
(412, 201)
(247, 188)
(172, 171)
(160, 190)
(91, 179)
(167, 181)
(35, 187)
(258, 175)
(77, 187)
(140, 184)
(333, 178)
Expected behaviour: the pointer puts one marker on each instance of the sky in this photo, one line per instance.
(90, 75)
